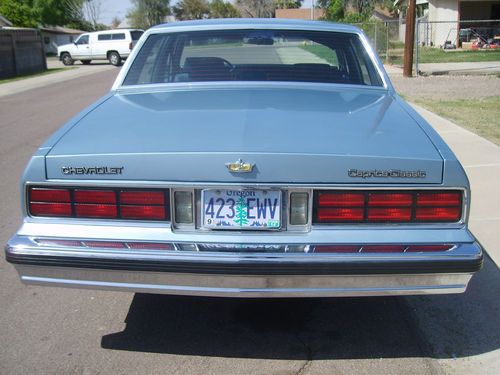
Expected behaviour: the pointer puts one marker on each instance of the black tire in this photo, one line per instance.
(86, 62)
(67, 59)
(114, 58)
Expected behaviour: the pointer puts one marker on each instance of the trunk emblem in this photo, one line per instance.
(240, 167)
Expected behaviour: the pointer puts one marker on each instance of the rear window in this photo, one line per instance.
(253, 55)
(136, 35)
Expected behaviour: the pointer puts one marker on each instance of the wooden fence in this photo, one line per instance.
(21, 52)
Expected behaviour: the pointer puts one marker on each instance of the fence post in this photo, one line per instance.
(387, 43)
(14, 54)
(417, 48)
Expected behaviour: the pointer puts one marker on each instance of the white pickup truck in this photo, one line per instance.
(112, 45)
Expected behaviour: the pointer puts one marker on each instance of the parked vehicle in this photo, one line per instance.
(112, 45)
(248, 158)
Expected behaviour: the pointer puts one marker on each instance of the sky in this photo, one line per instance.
(119, 8)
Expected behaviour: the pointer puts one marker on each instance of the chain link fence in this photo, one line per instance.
(437, 41)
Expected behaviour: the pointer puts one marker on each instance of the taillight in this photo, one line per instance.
(50, 202)
(129, 204)
(387, 206)
(130, 46)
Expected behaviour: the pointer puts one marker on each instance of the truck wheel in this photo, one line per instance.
(114, 58)
(67, 59)
(86, 62)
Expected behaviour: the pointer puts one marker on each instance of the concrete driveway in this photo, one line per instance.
(61, 331)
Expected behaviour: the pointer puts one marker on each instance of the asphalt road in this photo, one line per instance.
(67, 331)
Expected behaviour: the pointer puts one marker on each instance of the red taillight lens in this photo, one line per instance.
(341, 199)
(423, 248)
(383, 249)
(142, 197)
(390, 199)
(50, 209)
(50, 195)
(95, 196)
(448, 214)
(143, 212)
(389, 214)
(104, 211)
(339, 214)
(99, 203)
(387, 206)
(105, 244)
(336, 248)
(150, 246)
(50, 202)
(439, 198)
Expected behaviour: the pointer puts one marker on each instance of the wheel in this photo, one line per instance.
(114, 58)
(67, 59)
(86, 62)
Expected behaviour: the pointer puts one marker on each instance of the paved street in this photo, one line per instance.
(61, 331)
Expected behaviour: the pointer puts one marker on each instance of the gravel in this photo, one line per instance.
(447, 87)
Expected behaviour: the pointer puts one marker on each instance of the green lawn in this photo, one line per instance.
(322, 52)
(479, 115)
(437, 55)
(48, 71)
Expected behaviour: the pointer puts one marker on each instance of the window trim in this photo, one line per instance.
(167, 29)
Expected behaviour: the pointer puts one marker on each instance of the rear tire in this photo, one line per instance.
(67, 59)
(86, 62)
(114, 58)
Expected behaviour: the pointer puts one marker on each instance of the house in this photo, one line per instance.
(456, 21)
(301, 13)
(4, 22)
(57, 36)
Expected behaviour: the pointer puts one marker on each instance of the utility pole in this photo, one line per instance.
(409, 38)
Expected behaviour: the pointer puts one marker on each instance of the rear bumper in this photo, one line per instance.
(245, 274)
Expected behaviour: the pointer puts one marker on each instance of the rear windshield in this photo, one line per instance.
(136, 35)
(253, 55)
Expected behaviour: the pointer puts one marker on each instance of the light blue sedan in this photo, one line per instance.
(248, 158)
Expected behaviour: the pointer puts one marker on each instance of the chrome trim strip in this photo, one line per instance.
(244, 286)
(21, 245)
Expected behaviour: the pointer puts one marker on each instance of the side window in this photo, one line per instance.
(117, 36)
(104, 37)
(84, 39)
(153, 63)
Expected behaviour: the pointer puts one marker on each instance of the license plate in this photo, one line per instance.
(241, 209)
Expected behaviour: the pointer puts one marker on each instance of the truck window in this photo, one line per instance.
(104, 37)
(117, 36)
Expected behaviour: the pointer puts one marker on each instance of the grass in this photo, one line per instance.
(479, 115)
(437, 55)
(31, 75)
(322, 52)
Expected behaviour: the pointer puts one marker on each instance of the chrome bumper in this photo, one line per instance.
(245, 274)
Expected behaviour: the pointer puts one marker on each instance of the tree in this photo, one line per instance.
(288, 4)
(58, 12)
(19, 12)
(191, 10)
(221, 9)
(92, 11)
(335, 10)
(146, 13)
(256, 8)
(115, 22)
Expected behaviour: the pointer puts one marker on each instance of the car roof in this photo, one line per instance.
(258, 22)
(114, 31)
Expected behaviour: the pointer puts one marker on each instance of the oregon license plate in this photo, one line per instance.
(241, 209)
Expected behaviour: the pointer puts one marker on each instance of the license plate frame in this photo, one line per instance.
(270, 193)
